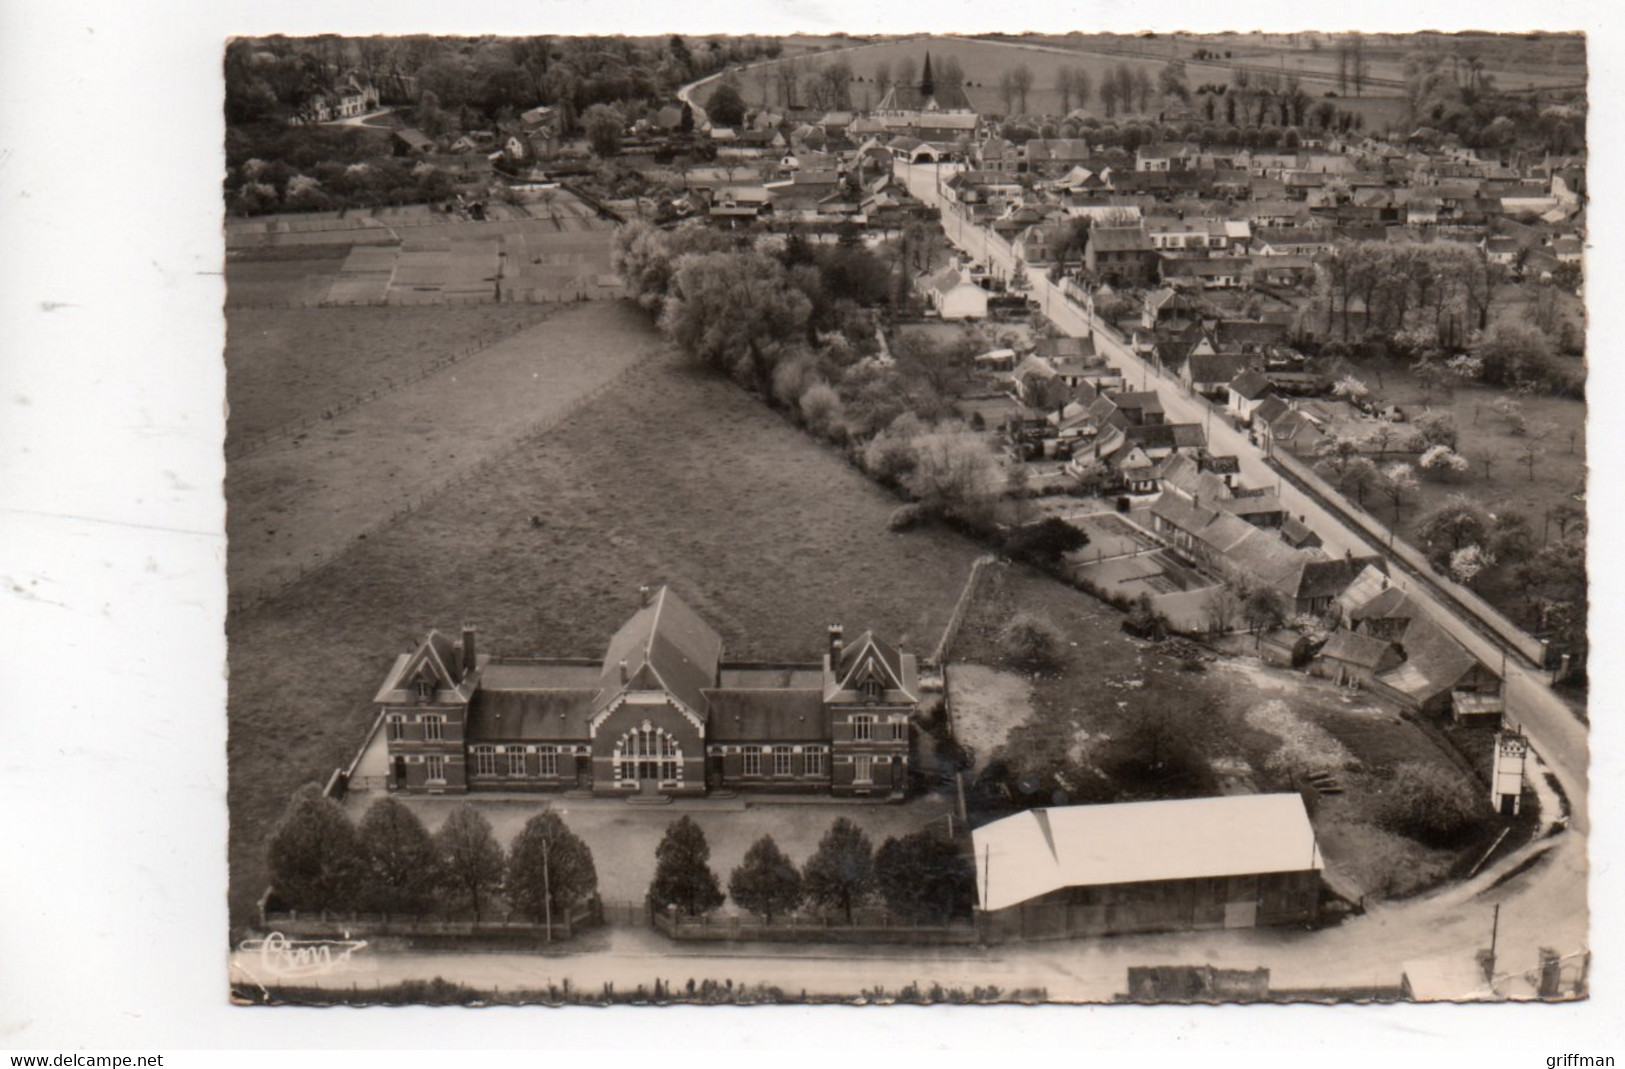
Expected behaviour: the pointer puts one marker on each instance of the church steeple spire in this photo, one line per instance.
(926, 86)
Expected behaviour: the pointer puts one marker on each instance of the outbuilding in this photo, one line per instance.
(1241, 861)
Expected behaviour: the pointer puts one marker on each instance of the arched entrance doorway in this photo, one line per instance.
(648, 756)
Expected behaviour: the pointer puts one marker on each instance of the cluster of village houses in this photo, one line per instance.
(1180, 225)
(1188, 230)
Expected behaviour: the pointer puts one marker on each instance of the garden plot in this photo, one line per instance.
(984, 704)
(365, 276)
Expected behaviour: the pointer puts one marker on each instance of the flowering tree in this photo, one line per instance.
(1468, 562)
(1442, 462)
(1351, 389)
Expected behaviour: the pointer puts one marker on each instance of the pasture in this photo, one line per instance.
(292, 365)
(297, 501)
(544, 550)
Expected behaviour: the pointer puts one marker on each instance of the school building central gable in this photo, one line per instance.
(662, 714)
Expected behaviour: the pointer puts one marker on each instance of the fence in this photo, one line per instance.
(509, 296)
(242, 601)
(1467, 604)
(813, 930)
(357, 925)
(961, 608)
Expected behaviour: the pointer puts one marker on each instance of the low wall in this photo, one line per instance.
(739, 929)
(331, 925)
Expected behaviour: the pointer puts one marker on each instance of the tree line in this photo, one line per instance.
(1432, 301)
(799, 326)
(920, 877)
(1450, 91)
(390, 863)
(477, 79)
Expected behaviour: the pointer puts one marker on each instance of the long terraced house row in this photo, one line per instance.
(661, 715)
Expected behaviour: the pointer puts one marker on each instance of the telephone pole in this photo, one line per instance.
(547, 890)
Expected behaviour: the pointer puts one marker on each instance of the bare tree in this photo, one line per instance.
(1021, 79)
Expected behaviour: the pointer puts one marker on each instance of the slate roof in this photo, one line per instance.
(1250, 385)
(1356, 649)
(665, 646)
(1216, 367)
(1119, 239)
(898, 669)
(526, 702)
(766, 715)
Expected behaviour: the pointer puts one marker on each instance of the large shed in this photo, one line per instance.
(1231, 862)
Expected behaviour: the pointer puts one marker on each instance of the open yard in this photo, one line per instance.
(1055, 737)
(672, 476)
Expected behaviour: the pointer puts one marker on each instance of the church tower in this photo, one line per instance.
(926, 85)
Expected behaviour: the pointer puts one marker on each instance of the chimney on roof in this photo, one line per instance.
(626, 675)
(468, 650)
(646, 595)
(835, 633)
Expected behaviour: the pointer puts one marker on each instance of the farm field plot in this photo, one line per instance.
(786, 540)
(279, 275)
(286, 365)
(564, 256)
(299, 501)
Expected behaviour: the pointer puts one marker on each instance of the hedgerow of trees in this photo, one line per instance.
(391, 864)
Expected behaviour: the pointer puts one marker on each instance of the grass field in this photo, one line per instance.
(287, 365)
(298, 501)
(675, 476)
(985, 61)
(1513, 61)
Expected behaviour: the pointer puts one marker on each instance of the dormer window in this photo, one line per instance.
(424, 689)
(871, 690)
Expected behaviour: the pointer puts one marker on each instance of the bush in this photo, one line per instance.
(1433, 806)
(1045, 543)
(821, 410)
(1032, 641)
(906, 518)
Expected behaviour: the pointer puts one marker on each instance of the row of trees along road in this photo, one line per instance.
(391, 863)
(920, 877)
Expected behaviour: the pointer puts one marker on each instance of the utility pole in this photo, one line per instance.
(547, 890)
(987, 871)
(1495, 931)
